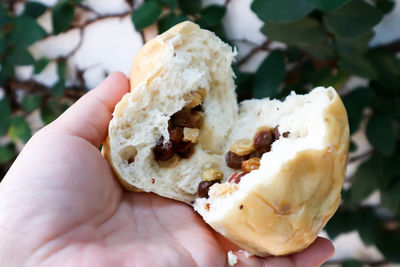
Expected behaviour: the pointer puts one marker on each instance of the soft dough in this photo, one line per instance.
(277, 209)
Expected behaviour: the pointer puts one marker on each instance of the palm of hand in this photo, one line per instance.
(90, 219)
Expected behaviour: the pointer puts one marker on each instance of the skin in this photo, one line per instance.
(60, 204)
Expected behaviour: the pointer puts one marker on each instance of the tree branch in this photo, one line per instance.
(392, 47)
(31, 86)
(227, 2)
(361, 156)
(263, 47)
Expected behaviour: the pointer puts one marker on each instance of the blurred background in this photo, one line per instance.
(52, 52)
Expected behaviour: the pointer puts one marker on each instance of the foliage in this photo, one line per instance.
(326, 44)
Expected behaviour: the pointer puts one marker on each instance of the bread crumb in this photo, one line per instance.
(153, 180)
(232, 259)
(207, 206)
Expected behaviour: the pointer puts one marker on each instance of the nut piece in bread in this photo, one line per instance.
(295, 154)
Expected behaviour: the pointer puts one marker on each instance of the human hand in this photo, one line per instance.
(60, 204)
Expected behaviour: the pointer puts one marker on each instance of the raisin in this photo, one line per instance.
(198, 108)
(234, 161)
(187, 118)
(184, 149)
(263, 141)
(163, 151)
(204, 187)
(175, 135)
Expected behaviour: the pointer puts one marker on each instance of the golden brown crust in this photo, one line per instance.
(149, 59)
(286, 215)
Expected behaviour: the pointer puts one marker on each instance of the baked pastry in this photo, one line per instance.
(266, 175)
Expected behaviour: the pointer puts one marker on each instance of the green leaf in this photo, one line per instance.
(396, 110)
(355, 102)
(5, 113)
(327, 5)
(341, 222)
(19, 129)
(281, 11)
(364, 181)
(61, 69)
(385, 6)
(26, 31)
(368, 226)
(3, 42)
(352, 147)
(391, 197)
(40, 65)
(62, 15)
(7, 71)
(146, 14)
(31, 102)
(392, 170)
(51, 110)
(170, 20)
(352, 263)
(21, 57)
(34, 9)
(388, 244)
(319, 50)
(58, 88)
(301, 32)
(6, 153)
(351, 45)
(212, 15)
(328, 76)
(269, 75)
(383, 103)
(358, 65)
(170, 3)
(381, 134)
(347, 22)
(307, 73)
(293, 54)
(388, 67)
(244, 84)
(3, 15)
(306, 33)
(190, 6)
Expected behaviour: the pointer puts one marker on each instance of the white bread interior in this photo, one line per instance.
(181, 60)
(279, 208)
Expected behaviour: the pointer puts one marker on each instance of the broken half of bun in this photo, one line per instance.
(267, 174)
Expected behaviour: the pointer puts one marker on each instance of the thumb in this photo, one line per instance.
(88, 118)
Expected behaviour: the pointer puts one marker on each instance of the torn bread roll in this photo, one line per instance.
(173, 123)
(267, 176)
